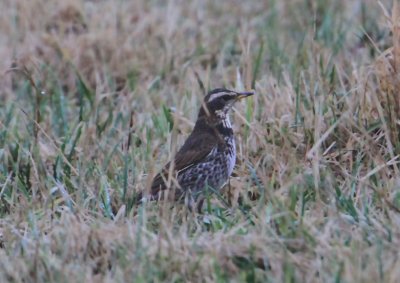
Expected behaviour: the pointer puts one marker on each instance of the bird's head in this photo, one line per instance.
(219, 101)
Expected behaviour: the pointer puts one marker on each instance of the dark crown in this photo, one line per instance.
(213, 114)
(220, 100)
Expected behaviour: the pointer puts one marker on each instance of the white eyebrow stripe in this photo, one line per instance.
(219, 94)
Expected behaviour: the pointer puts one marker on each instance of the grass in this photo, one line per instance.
(96, 95)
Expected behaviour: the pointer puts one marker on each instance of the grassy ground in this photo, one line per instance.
(95, 93)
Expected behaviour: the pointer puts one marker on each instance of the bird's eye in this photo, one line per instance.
(226, 98)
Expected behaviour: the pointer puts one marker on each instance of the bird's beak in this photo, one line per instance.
(241, 95)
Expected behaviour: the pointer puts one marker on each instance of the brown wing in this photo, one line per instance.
(195, 149)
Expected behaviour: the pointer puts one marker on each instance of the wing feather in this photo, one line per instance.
(195, 149)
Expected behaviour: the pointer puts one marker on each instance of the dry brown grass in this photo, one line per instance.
(89, 91)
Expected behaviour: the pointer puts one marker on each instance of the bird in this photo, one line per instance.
(207, 157)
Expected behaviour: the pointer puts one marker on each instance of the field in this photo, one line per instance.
(97, 95)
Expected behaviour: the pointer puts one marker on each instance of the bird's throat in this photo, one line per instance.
(215, 122)
(224, 126)
(226, 122)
